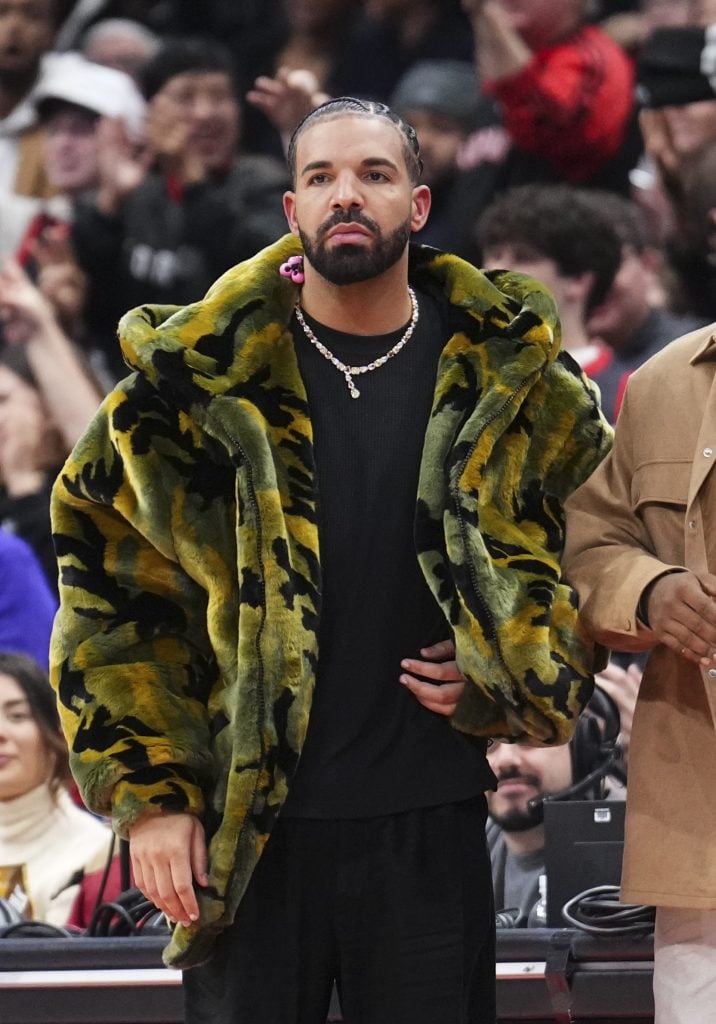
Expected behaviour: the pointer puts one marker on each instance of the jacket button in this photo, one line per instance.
(708, 452)
(712, 673)
(692, 524)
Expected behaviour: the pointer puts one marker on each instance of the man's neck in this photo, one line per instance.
(377, 306)
(529, 841)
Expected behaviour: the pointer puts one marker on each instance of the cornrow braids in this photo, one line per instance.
(369, 108)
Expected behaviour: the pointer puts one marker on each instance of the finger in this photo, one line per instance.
(168, 898)
(448, 693)
(440, 699)
(442, 671)
(199, 856)
(182, 884)
(264, 84)
(682, 645)
(443, 650)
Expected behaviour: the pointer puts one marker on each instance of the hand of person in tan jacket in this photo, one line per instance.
(681, 612)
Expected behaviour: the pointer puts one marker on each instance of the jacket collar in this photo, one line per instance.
(207, 348)
(707, 350)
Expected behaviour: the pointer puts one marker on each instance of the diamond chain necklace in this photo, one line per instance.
(349, 372)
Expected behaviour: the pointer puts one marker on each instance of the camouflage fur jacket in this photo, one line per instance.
(186, 643)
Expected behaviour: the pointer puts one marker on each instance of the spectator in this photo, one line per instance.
(47, 843)
(631, 319)
(253, 31)
(558, 98)
(440, 99)
(165, 233)
(582, 769)
(558, 235)
(27, 606)
(121, 44)
(679, 124)
(26, 32)
(46, 401)
(72, 100)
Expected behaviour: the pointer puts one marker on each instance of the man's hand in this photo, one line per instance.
(24, 310)
(287, 98)
(440, 664)
(121, 168)
(681, 609)
(167, 852)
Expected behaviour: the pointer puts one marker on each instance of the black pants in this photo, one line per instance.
(397, 910)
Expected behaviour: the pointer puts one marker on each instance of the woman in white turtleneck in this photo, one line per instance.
(47, 842)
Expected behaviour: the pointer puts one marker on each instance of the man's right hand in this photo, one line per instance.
(168, 853)
(681, 607)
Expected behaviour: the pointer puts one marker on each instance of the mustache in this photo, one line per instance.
(347, 217)
(513, 773)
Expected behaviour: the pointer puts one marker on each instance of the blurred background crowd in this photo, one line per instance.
(142, 154)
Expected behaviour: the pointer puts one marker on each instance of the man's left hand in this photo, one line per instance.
(443, 695)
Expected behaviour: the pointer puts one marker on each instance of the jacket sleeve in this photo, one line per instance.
(515, 428)
(609, 556)
(522, 646)
(130, 657)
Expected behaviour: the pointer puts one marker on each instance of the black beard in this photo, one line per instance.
(518, 820)
(349, 264)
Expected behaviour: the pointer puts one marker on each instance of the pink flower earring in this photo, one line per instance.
(293, 268)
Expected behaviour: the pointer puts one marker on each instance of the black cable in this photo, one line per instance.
(35, 930)
(131, 913)
(101, 923)
(105, 876)
(599, 912)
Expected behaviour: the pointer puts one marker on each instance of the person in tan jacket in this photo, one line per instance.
(641, 552)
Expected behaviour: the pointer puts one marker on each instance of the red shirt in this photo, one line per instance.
(571, 104)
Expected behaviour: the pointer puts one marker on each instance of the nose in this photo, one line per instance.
(347, 193)
(503, 756)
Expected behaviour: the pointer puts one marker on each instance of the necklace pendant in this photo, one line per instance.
(355, 393)
(349, 371)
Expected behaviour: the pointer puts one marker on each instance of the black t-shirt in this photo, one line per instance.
(371, 748)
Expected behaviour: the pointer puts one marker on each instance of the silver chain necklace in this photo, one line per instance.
(349, 372)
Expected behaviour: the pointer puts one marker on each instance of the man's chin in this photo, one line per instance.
(519, 819)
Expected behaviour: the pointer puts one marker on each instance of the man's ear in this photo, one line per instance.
(420, 207)
(289, 208)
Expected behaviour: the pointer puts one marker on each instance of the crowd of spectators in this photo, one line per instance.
(142, 154)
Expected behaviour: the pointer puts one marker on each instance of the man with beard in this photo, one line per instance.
(586, 768)
(27, 29)
(345, 452)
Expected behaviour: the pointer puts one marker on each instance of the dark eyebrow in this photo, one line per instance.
(316, 165)
(372, 161)
(16, 702)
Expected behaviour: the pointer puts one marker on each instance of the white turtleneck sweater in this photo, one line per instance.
(46, 845)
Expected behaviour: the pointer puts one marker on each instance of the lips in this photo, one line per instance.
(348, 231)
(514, 785)
(5, 759)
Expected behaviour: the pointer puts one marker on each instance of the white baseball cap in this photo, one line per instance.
(71, 78)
